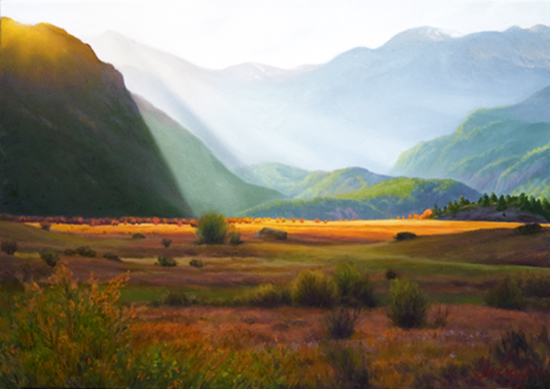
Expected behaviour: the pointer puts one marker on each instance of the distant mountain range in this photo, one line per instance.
(361, 109)
(502, 150)
(73, 141)
(387, 199)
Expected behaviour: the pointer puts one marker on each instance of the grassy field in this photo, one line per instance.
(455, 263)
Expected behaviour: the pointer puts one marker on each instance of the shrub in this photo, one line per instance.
(505, 294)
(196, 263)
(404, 236)
(350, 367)
(166, 261)
(112, 257)
(529, 229)
(45, 226)
(313, 289)
(166, 242)
(85, 251)
(270, 295)
(138, 236)
(353, 287)
(340, 323)
(535, 284)
(441, 316)
(49, 256)
(525, 352)
(9, 246)
(69, 252)
(212, 229)
(235, 238)
(67, 336)
(390, 274)
(408, 304)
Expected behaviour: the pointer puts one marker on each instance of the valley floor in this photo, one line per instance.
(454, 262)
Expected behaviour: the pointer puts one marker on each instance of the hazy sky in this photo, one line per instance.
(284, 33)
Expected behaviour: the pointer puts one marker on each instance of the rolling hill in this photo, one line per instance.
(387, 199)
(382, 101)
(72, 141)
(502, 150)
(300, 184)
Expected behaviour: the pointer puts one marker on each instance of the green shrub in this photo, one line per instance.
(49, 256)
(212, 229)
(270, 295)
(404, 236)
(505, 294)
(9, 246)
(45, 226)
(340, 323)
(408, 304)
(353, 287)
(166, 261)
(350, 367)
(529, 229)
(196, 263)
(535, 284)
(85, 251)
(138, 236)
(166, 242)
(313, 289)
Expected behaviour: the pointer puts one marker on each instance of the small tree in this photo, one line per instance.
(212, 229)
(49, 256)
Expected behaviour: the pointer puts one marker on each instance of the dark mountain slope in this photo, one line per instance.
(72, 141)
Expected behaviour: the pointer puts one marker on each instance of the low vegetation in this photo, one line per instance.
(314, 289)
(505, 294)
(85, 251)
(340, 323)
(212, 228)
(529, 229)
(404, 236)
(409, 304)
(9, 246)
(50, 256)
(269, 296)
(196, 263)
(354, 288)
(166, 242)
(166, 261)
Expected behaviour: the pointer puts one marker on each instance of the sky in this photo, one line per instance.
(283, 33)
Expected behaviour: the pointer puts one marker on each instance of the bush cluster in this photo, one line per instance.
(166, 242)
(269, 296)
(85, 251)
(340, 323)
(404, 236)
(505, 294)
(314, 289)
(196, 263)
(354, 288)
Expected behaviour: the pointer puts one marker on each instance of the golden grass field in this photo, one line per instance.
(454, 262)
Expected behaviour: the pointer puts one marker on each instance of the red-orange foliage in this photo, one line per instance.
(156, 221)
(301, 220)
(317, 221)
(426, 214)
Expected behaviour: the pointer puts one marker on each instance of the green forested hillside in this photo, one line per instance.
(72, 141)
(502, 150)
(388, 199)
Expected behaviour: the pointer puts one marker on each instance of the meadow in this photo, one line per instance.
(197, 326)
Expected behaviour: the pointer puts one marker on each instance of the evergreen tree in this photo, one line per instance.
(501, 204)
(494, 198)
(485, 202)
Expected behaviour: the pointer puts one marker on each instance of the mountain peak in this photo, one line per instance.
(423, 34)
